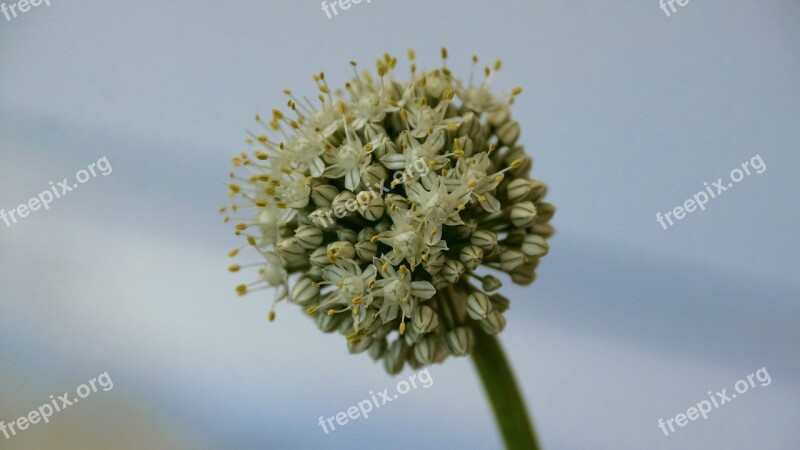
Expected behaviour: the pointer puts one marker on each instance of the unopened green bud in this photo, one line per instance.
(434, 263)
(478, 305)
(485, 239)
(377, 349)
(319, 257)
(534, 246)
(523, 214)
(500, 302)
(395, 357)
(425, 320)
(493, 324)
(305, 292)
(346, 234)
(359, 345)
(491, 283)
(373, 208)
(340, 250)
(508, 133)
(510, 259)
(374, 173)
(471, 256)
(460, 341)
(425, 350)
(366, 250)
(518, 190)
(323, 194)
(524, 274)
(290, 249)
(452, 270)
(309, 236)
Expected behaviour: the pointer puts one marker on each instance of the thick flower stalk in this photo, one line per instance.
(382, 208)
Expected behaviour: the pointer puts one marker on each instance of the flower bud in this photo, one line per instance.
(510, 259)
(500, 302)
(323, 194)
(478, 305)
(366, 250)
(460, 341)
(499, 116)
(485, 239)
(534, 246)
(309, 237)
(523, 214)
(305, 292)
(340, 250)
(470, 126)
(493, 324)
(491, 283)
(377, 349)
(346, 234)
(524, 274)
(471, 256)
(359, 345)
(366, 234)
(395, 357)
(319, 257)
(425, 320)
(518, 190)
(373, 208)
(323, 218)
(344, 204)
(508, 133)
(452, 270)
(373, 174)
(425, 350)
(433, 263)
(538, 190)
(327, 323)
(290, 250)
(465, 231)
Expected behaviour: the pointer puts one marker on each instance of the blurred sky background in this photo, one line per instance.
(625, 111)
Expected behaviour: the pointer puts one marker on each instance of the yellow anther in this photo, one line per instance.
(471, 184)
(402, 327)
(516, 91)
(234, 268)
(241, 290)
(262, 138)
(251, 240)
(233, 253)
(516, 163)
(277, 115)
(331, 312)
(312, 310)
(358, 300)
(271, 316)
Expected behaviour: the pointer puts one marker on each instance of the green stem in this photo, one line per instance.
(504, 394)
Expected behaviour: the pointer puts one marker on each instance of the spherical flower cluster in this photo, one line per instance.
(379, 208)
